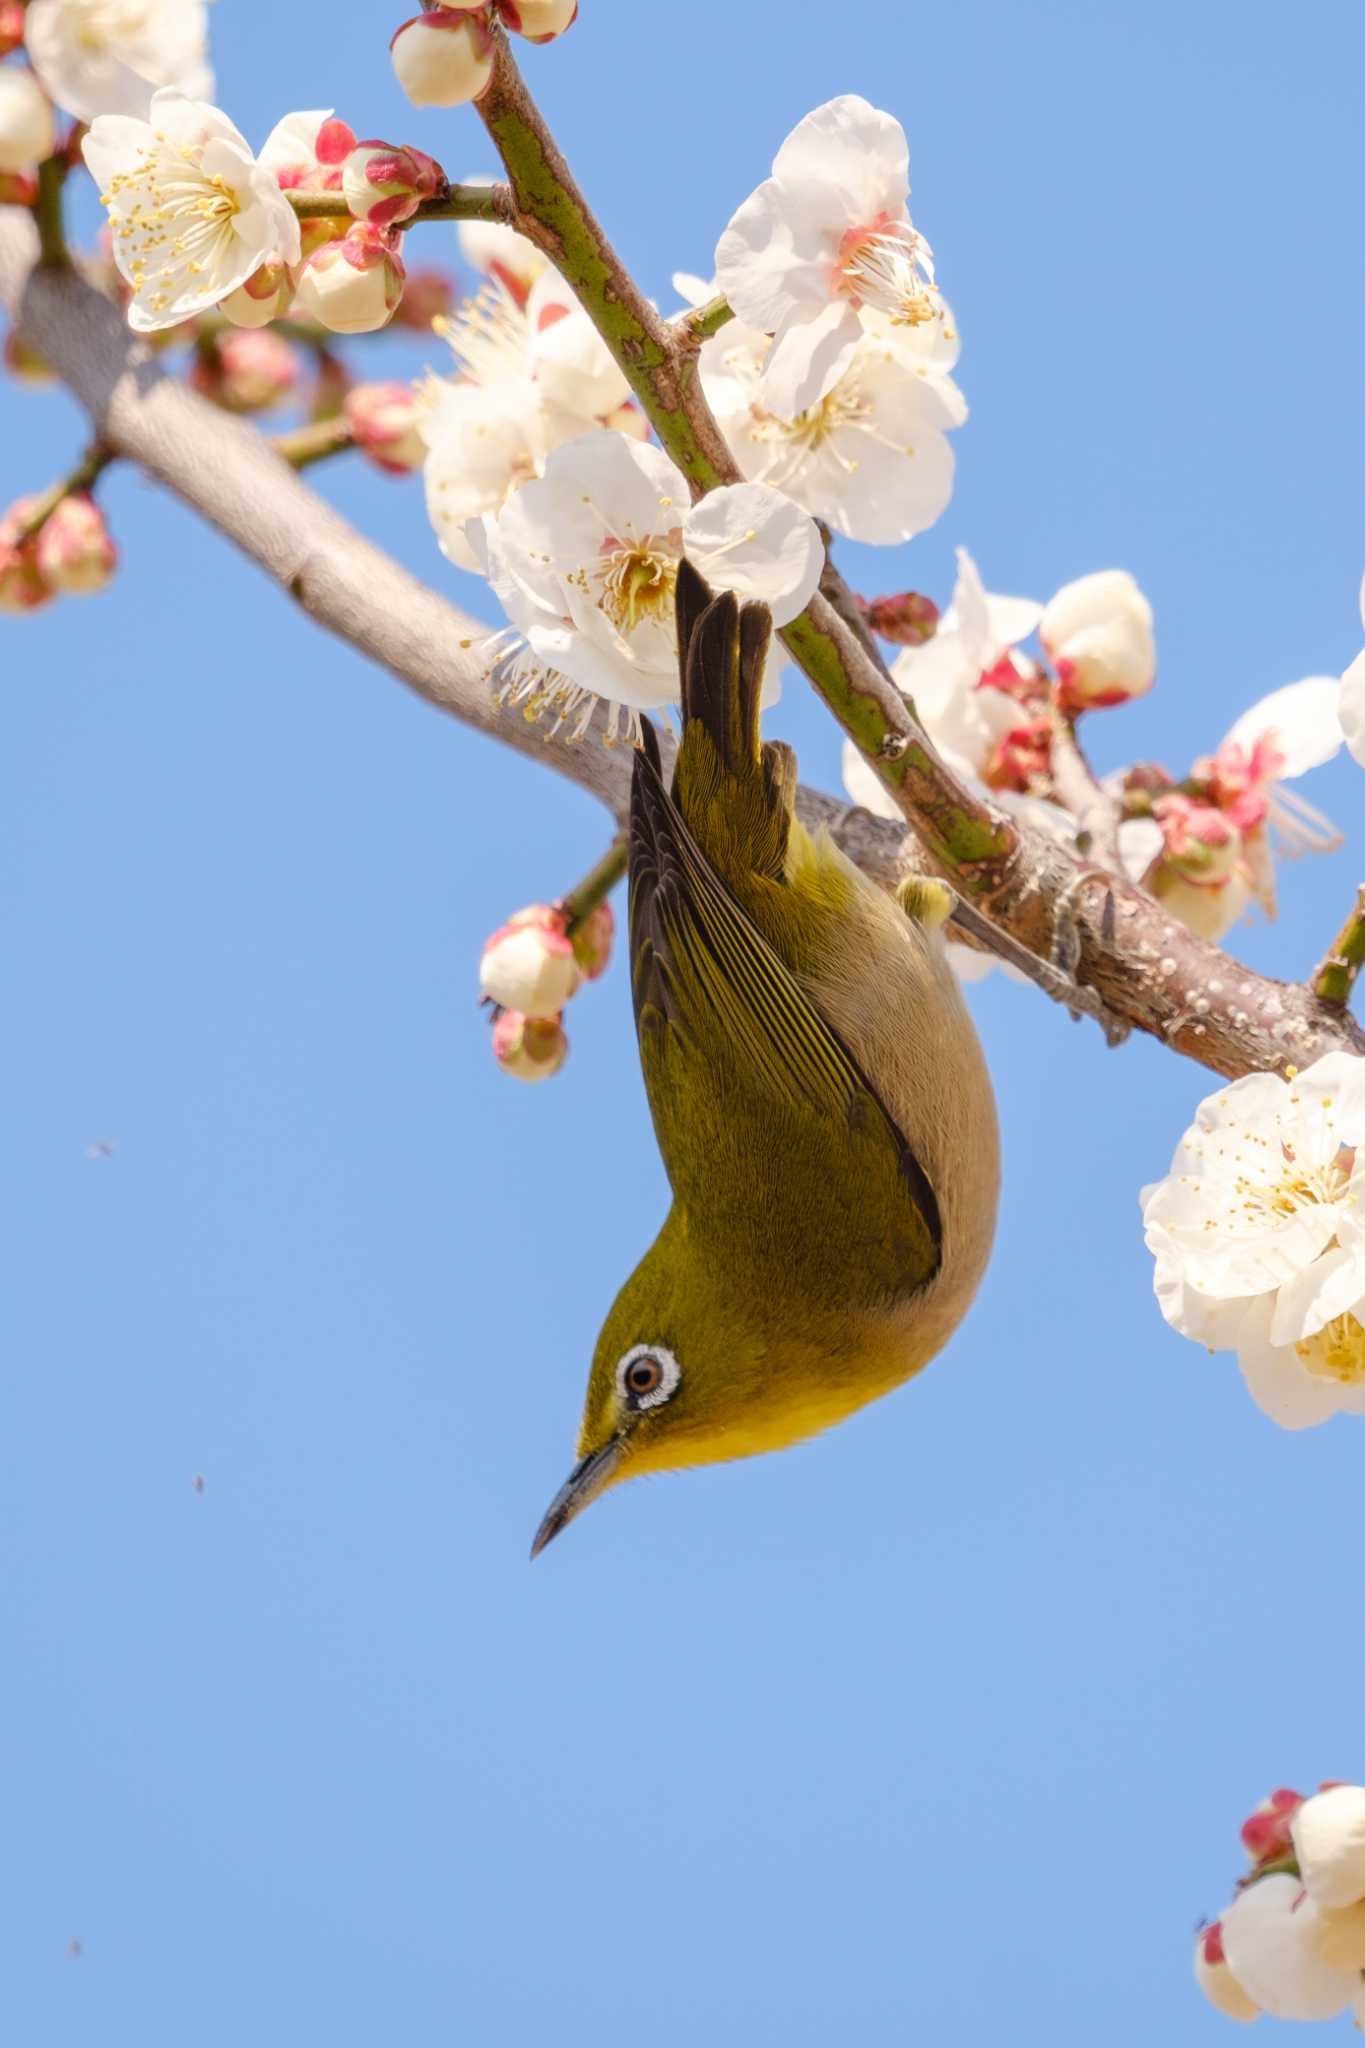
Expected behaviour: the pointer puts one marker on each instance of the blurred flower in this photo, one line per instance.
(529, 1048)
(11, 25)
(385, 423)
(352, 286)
(1268, 1942)
(75, 554)
(193, 213)
(1329, 1843)
(827, 234)
(264, 296)
(28, 132)
(1266, 1832)
(1098, 633)
(1283, 736)
(444, 58)
(540, 21)
(585, 560)
(1216, 1980)
(246, 371)
(591, 940)
(109, 56)
(905, 617)
(23, 587)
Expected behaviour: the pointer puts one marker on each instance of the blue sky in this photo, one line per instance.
(940, 1726)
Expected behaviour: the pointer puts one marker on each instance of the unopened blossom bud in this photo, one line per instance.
(383, 422)
(529, 1048)
(1098, 633)
(75, 553)
(11, 25)
(906, 619)
(529, 964)
(1021, 760)
(428, 296)
(28, 132)
(1329, 1840)
(1265, 1833)
(540, 21)
(1209, 910)
(23, 587)
(1202, 844)
(267, 295)
(352, 286)
(444, 57)
(591, 941)
(386, 182)
(246, 371)
(18, 188)
(1269, 1938)
(1216, 1980)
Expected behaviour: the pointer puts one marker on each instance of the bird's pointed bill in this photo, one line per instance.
(590, 1476)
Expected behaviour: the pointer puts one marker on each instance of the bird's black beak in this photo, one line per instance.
(590, 1476)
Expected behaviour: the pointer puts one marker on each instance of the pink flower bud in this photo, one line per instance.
(591, 942)
(906, 619)
(540, 21)
(383, 420)
(444, 57)
(1216, 1980)
(75, 553)
(1239, 779)
(385, 183)
(528, 965)
(1202, 844)
(1022, 758)
(428, 295)
(352, 286)
(11, 25)
(18, 188)
(529, 1048)
(1098, 632)
(1266, 1833)
(267, 295)
(23, 587)
(246, 371)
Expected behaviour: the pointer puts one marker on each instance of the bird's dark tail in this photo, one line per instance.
(735, 792)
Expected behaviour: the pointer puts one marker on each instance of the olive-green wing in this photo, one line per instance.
(715, 1001)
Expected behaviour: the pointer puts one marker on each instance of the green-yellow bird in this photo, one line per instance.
(818, 1093)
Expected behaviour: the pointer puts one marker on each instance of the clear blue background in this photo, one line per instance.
(938, 1728)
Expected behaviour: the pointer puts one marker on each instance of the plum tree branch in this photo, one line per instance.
(1150, 972)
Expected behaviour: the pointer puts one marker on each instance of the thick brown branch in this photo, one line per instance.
(1149, 971)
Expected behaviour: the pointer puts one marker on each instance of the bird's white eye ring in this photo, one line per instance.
(647, 1376)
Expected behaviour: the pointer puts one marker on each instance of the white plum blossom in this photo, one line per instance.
(27, 130)
(1258, 1233)
(1098, 633)
(1289, 732)
(828, 233)
(871, 457)
(307, 150)
(1328, 1832)
(585, 560)
(1269, 1940)
(192, 213)
(528, 378)
(110, 56)
(1216, 1980)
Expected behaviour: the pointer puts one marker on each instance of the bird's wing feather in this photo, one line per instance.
(708, 984)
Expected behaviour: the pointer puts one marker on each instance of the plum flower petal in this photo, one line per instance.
(192, 213)
(1268, 1939)
(109, 56)
(747, 539)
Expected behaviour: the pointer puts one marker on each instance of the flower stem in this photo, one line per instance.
(595, 886)
(47, 212)
(1336, 977)
(456, 202)
(301, 447)
(91, 465)
(704, 321)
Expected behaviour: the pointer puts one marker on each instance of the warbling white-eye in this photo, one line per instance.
(818, 1093)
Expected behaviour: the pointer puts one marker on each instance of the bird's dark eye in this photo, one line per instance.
(647, 1376)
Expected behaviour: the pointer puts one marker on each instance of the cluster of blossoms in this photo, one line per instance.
(1258, 1233)
(529, 970)
(1292, 1943)
(69, 554)
(1203, 845)
(444, 56)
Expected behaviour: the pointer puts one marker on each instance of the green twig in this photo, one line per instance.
(47, 212)
(704, 321)
(595, 886)
(301, 447)
(456, 202)
(91, 465)
(1336, 977)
